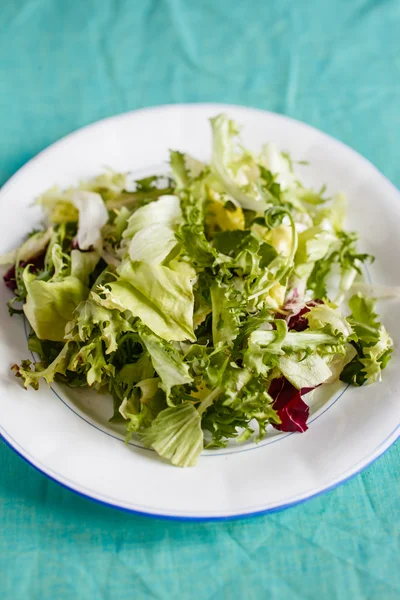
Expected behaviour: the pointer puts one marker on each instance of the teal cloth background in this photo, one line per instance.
(334, 64)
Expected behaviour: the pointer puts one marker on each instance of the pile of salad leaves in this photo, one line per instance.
(207, 304)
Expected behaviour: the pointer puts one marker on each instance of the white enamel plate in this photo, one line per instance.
(67, 435)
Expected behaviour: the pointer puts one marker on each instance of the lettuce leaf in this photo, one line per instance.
(323, 315)
(123, 386)
(51, 301)
(152, 245)
(33, 246)
(167, 361)
(309, 372)
(373, 343)
(176, 435)
(50, 304)
(58, 205)
(223, 165)
(121, 295)
(161, 296)
(294, 340)
(93, 215)
(83, 264)
(315, 243)
(164, 211)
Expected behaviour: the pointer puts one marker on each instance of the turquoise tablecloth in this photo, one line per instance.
(333, 64)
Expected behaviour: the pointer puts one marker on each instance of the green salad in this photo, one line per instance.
(203, 305)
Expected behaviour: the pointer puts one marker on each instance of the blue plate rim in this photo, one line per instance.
(210, 518)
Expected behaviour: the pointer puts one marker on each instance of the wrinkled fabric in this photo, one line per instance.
(334, 64)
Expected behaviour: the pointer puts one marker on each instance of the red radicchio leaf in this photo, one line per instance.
(297, 322)
(37, 263)
(288, 403)
(9, 279)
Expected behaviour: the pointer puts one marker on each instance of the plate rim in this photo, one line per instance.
(206, 519)
(382, 448)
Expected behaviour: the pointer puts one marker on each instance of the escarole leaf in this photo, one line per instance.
(150, 231)
(162, 297)
(50, 304)
(165, 211)
(121, 295)
(167, 291)
(323, 315)
(176, 435)
(222, 161)
(306, 373)
(304, 340)
(83, 264)
(60, 206)
(152, 244)
(363, 312)
(93, 215)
